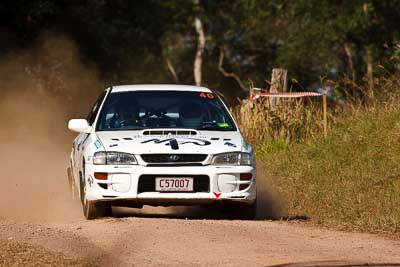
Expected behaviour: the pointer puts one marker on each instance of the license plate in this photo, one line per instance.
(174, 184)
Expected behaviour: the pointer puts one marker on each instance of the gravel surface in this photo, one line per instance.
(16, 253)
(157, 239)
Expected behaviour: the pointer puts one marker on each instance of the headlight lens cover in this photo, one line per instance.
(232, 158)
(113, 158)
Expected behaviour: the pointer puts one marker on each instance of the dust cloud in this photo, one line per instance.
(41, 88)
(269, 203)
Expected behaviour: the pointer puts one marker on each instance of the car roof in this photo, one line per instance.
(159, 87)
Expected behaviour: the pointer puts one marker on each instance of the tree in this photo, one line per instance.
(218, 43)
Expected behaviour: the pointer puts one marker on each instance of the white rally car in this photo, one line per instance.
(161, 145)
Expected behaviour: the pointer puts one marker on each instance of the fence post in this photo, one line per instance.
(278, 84)
(251, 86)
(325, 113)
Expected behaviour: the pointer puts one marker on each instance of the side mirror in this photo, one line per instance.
(79, 125)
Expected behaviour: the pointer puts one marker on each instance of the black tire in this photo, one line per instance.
(107, 210)
(92, 210)
(243, 211)
(248, 212)
(82, 188)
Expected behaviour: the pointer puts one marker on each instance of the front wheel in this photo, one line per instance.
(248, 212)
(93, 210)
(243, 211)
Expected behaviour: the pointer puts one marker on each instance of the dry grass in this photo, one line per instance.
(290, 121)
(351, 180)
(301, 121)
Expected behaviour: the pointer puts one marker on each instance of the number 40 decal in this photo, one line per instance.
(206, 95)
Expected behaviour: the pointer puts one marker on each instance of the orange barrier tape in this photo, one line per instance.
(285, 95)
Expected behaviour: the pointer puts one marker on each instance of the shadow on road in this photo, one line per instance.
(333, 264)
(211, 212)
(178, 212)
(269, 207)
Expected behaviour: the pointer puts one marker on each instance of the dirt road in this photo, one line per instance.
(40, 225)
(164, 239)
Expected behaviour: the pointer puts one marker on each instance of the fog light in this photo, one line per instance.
(101, 175)
(227, 182)
(120, 182)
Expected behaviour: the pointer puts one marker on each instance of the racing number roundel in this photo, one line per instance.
(206, 95)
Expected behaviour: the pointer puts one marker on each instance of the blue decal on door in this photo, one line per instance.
(97, 144)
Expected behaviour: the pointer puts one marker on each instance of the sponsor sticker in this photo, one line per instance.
(223, 125)
(97, 144)
(90, 181)
(179, 141)
(230, 144)
(206, 95)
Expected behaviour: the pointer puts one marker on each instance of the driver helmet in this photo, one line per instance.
(190, 115)
(129, 110)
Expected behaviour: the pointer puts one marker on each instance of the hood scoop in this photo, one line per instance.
(170, 132)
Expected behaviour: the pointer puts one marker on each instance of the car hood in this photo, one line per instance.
(204, 142)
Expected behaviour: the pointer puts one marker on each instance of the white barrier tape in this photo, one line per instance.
(285, 95)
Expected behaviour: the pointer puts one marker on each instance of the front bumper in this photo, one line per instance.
(123, 183)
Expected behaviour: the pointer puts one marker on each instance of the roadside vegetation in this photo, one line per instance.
(290, 121)
(71, 50)
(350, 180)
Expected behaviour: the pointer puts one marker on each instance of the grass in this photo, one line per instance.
(291, 121)
(350, 180)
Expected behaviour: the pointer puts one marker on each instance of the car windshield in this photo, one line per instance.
(137, 110)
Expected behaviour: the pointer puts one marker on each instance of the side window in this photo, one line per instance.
(95, 109)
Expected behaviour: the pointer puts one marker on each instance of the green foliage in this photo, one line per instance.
(350, 180)
(271, 146)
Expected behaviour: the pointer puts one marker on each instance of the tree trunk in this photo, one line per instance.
(278, 84)
(230, 74)
(370, 72)
(201, 41)
(349, 54)
(172, 70)
(368, 60)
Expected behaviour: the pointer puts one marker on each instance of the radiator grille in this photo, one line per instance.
(173, 158)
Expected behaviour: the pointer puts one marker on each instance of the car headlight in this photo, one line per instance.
(113, 158)
(232, 158)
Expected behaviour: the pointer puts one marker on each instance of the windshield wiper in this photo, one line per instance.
(209, 127)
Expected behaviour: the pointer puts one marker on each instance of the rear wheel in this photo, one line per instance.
(71, 183)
